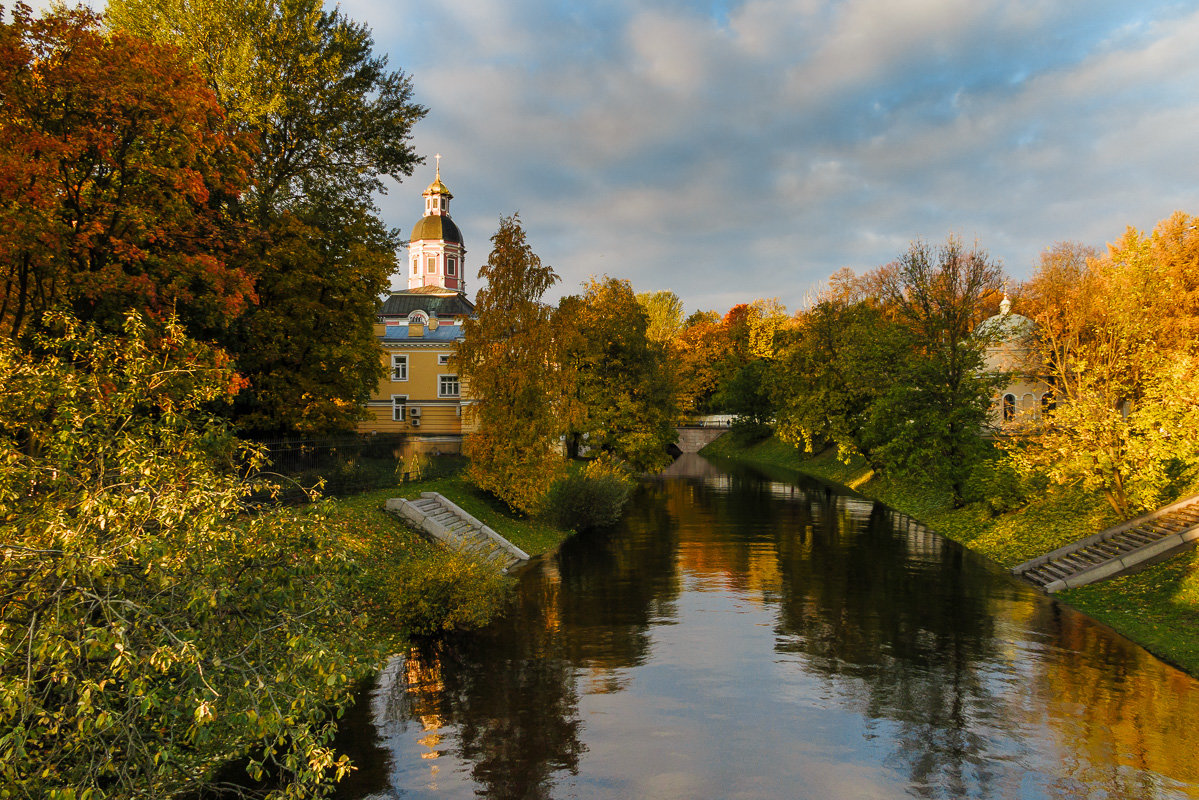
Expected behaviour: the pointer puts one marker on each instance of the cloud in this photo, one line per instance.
(751, 148)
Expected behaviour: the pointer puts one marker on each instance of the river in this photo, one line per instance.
(740, 635)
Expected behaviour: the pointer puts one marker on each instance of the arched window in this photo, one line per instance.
(1009, 407)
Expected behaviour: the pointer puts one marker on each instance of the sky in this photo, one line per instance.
(730, 151)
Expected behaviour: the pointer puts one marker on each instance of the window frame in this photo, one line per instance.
(399, 402)
(396, 359)
(441, 384)
(1009, 406)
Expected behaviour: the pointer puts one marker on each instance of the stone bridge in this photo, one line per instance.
(692, 439)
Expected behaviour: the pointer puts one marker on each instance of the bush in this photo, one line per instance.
(150, 629)
(997, 483)
(592, 497)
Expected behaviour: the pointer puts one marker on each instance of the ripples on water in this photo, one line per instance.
(746, 637)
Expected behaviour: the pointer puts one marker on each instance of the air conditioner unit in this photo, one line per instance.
(414, 412)
(415, 422)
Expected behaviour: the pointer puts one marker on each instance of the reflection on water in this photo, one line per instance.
(743, 636)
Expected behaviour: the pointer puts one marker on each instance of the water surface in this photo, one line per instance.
(742, 636)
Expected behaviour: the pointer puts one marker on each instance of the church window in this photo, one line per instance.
(447, 386)
(431, 264)
(398, 405)
(415, 266)
(451, 264)
(1009, 407)
(399, 368)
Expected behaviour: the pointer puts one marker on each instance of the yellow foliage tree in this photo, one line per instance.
(1115, 335)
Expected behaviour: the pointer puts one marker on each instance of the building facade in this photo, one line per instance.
(418, 330)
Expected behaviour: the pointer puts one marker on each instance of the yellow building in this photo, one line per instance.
(418, 330)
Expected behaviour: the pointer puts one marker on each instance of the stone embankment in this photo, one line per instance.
(445, 522)
(1118, 550)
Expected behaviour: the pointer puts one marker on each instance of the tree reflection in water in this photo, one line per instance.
(888, 660)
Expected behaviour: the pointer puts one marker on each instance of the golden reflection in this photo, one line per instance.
(1138, 715)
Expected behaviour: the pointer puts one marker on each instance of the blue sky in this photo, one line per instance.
(736, 150)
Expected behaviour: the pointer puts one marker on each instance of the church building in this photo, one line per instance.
(419, 329)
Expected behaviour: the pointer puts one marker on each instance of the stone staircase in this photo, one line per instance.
(1117, 550)
(445, 522)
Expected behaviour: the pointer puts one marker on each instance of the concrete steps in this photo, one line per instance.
(1117, 550)
(445, 522)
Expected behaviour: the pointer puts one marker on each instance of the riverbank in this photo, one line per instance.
(420, 588)
(1158, 607)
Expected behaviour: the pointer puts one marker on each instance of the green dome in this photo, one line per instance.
(1005, 328)
(437, 227)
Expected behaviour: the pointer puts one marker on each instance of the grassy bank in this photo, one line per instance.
(420, 587)
(1157, 607)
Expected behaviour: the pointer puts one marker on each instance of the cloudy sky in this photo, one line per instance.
(733, 150)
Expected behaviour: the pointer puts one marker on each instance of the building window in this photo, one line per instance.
(431, 264)
(1009, 407)
(399, 368)
(1048, 404)
(443, 359)
(447, 386)
(398, 406)
(415, 266)
(451, 265)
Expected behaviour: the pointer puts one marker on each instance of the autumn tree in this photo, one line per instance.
(620, 380)
(699, 353)
(931, 420)
(331, 121)
(507, 361)
(1115, 335)
(664, 314)
(119, 185)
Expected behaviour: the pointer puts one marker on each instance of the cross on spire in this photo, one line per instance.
(437, 158)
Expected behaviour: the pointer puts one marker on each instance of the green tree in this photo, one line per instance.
(622, 389)
(832, 370)
(331, 121)
(931, 420)
(119, 185)
(507, 363)
(150, 629)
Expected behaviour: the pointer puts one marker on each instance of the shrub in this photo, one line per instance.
(592, 497)
(150, 629)
(997, 483)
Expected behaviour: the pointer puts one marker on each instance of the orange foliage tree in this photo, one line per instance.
(118, 182)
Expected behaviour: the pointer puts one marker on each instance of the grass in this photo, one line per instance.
(1158, 607)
